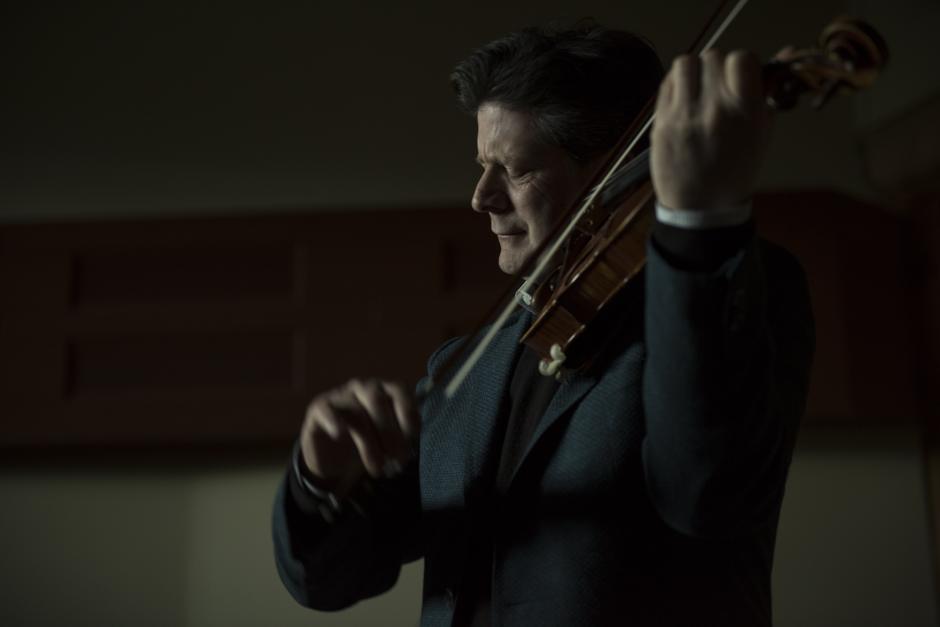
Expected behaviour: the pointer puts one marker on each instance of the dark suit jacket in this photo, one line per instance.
(649, 494)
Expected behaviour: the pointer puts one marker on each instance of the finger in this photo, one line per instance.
(713, 69)
(322, 419)
(321, 416)
(409, 419)
(366, 441)
(787, 53)
(380, 408)
(686, 74)
(666, 93)
(743, 78)
(355, 420)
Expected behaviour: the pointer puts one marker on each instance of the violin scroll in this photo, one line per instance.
(849, 56)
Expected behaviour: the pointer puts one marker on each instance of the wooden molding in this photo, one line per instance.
(219, 331)
(222, 330)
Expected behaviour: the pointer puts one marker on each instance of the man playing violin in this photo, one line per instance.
(643, 490)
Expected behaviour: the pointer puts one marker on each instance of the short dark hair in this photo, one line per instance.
(584, 85)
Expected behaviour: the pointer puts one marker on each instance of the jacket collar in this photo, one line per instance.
(488, 396)
(572, 389)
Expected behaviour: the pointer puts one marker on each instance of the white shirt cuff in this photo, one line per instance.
(698, 219)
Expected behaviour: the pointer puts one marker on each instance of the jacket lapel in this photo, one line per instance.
(465, 439)
(487, 391)
(568, 394)
(458, 446)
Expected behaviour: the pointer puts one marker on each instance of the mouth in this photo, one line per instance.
(509, 235)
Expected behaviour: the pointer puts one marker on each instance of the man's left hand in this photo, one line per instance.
(711, 130)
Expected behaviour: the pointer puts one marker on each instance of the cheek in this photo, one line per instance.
(547, 205)
(535, 210)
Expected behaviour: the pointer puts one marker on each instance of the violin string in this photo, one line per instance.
(724, 25)
(549, 253)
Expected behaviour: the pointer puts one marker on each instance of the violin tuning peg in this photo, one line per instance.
(827, 92)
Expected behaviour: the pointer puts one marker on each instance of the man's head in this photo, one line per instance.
(548, 105)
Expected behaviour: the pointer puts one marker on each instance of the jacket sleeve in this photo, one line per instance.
(330, 565)
(729, 349)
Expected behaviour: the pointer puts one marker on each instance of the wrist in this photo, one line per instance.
(327, 503)
(701, 219)
(330, 502)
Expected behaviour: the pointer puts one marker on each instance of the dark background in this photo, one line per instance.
(205, 205)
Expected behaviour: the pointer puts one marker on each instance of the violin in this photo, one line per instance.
(598, 248)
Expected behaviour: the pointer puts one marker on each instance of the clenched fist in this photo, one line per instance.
(362, 427)
(711, 131)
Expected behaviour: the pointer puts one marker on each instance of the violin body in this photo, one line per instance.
(602, 269)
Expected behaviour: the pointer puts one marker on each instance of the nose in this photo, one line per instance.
(489, 195)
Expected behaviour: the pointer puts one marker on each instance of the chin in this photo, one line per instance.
(507, 263)
(511, 262)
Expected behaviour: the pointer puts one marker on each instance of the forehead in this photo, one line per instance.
(504, 133)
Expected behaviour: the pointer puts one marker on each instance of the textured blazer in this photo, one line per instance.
(648, 495)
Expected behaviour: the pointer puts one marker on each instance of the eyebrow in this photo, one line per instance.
(500, 162)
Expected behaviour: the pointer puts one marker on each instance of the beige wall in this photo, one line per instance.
(192, 548)
(152, 546)
(186, 109)
(853, 547)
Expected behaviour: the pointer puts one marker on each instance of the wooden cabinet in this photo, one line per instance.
(221, 330)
